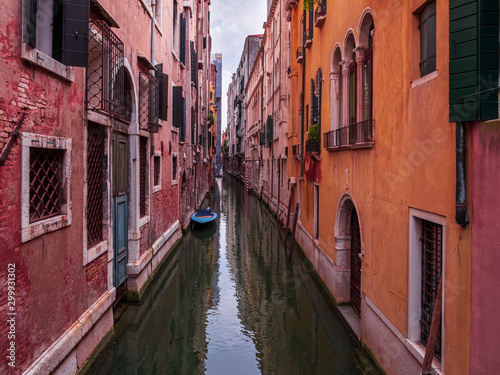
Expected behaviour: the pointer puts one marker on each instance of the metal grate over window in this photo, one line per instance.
(95, 160)
(45, 183)
(149, 102)
(105, 72)
(157, 165)
(142, 175)
(432, 240)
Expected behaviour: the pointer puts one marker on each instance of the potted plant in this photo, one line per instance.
(313, 133)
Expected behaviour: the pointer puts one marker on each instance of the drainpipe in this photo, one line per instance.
(461, 197)
(153, 10)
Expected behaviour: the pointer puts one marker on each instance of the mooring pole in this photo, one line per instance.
(293, 231)
(433, 333)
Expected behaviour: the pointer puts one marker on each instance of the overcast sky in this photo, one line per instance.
(231, 21)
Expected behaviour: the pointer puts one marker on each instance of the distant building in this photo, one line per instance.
(217, 59)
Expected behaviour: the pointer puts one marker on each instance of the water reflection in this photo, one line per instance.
(229, 302)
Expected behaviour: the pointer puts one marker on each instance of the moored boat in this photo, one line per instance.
(203, 217)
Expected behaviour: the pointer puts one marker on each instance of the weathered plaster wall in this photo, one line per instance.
(484, 180)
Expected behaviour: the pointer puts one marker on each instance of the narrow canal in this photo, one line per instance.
(228, 301)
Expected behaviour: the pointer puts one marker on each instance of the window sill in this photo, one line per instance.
(424, 79)
(42, 227)
(156, 189)
(44, 61)
(418, 351)
(351, 147)
(143, 221)
(94, 252)
(175, 182)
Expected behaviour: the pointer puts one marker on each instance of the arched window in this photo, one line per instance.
(350, 77)
(366, 42)
(336, 91)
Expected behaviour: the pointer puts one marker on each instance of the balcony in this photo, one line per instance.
(359, 135)
(105, 71)
(320, 14)
(300, 54)
(312, 146)
(308, 37)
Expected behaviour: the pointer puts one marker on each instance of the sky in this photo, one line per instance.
(230, 23)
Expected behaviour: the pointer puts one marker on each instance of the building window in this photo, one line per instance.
(45, 183)
(432, 259)
(143, 166)
(316, 212)
(46, 204)
(158, 12)
(174, 169)
(95, 190)
(427, 27)
(426, 262)
(157, 172)
(48, 25)
(174, 27)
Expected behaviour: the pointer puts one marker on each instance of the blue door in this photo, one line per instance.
(120, 208)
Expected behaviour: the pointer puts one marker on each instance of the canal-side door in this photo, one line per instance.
(120, 208)
(355, 263)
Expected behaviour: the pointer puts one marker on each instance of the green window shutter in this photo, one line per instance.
(473, 60)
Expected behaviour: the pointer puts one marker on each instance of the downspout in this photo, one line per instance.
(461, 164)
(153, 12)
(279, 107)
(302, 110)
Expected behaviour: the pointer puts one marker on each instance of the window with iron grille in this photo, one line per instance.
(95, 162)
(105, 71)
(182, 40)
(157, 170)
(149, 102)
(143, 160)
(45, 183)
(432, 240)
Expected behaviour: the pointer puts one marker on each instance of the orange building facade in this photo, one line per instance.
(372, 165)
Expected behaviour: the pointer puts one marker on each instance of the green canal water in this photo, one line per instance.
(228, 301)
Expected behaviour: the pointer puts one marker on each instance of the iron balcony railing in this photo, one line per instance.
(308, 37)
(312, 145)
(320, 14)
(300, 54)
(105, 72)
(358, 133)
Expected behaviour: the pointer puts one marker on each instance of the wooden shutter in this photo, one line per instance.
(30, 36)
(428, 39)
(75, 25)
(182, 40)
(177, 106)
(163, 99)
(473, 79)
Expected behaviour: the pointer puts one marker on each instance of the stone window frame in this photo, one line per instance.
(30, 231)
(157, 188)
(176, 158)
(39, 58)
(414, 283)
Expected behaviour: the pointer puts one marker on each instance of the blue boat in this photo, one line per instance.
(203, 217)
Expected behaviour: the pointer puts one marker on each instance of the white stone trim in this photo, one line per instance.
(414, 278)
(56, 353)
(174, 154)
(157, 188)
(94, 252)
(38, 228)
(44, 61)
(424, 79)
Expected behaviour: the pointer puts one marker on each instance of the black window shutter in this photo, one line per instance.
(31, 26)
(163, 100)
(183, 40)
(177, 106)
(75, 25)
(183, 122)
(204, 42)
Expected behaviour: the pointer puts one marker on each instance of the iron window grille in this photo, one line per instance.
(143, 160)
(312, 146)
(95, 162)
(45, 183)
(105, 71)
(149, 102)
(432, 260)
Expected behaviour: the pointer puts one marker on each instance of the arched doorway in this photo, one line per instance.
(349, 253)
